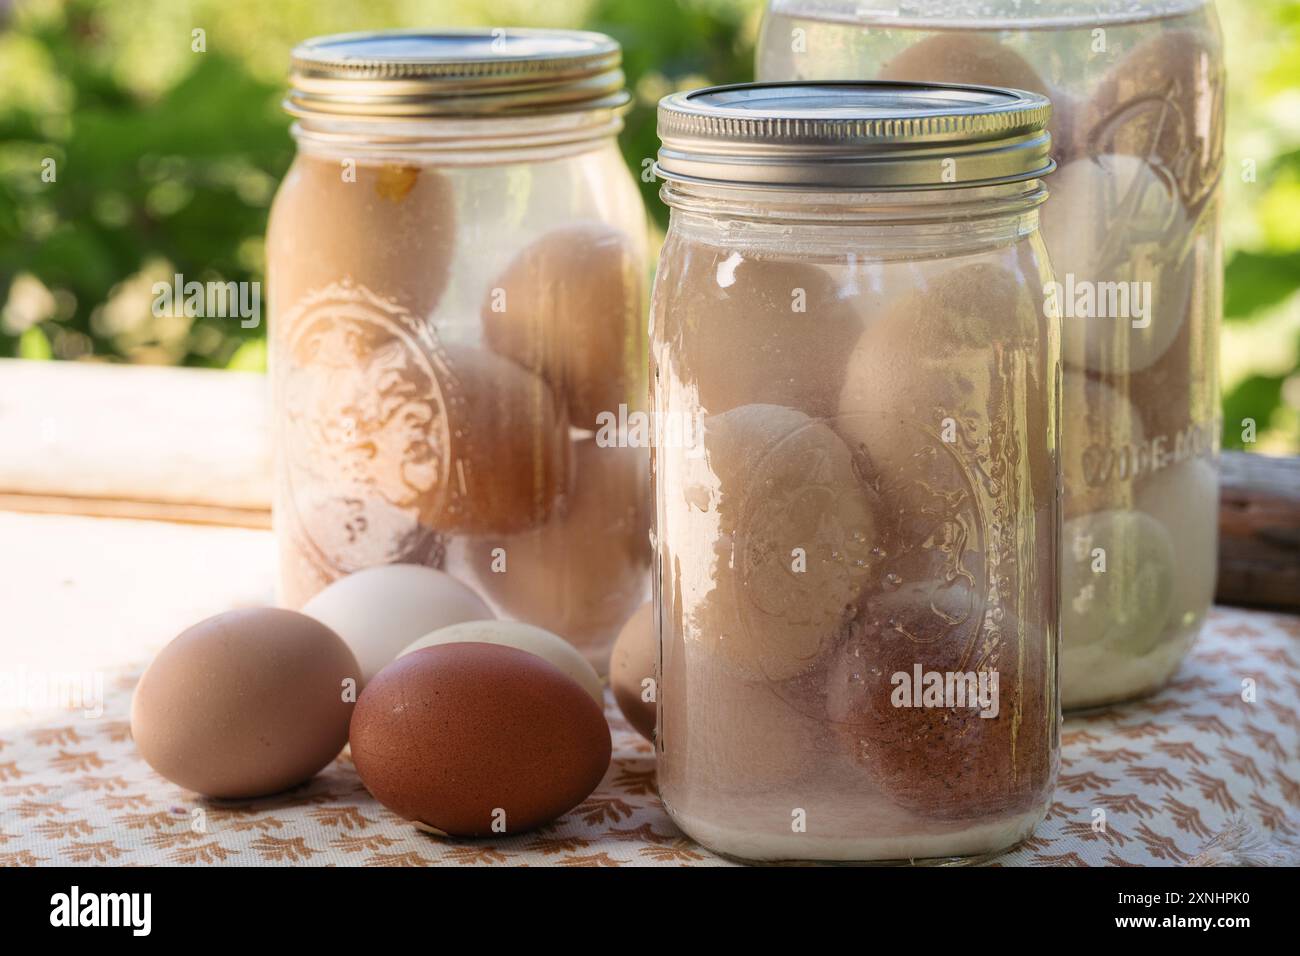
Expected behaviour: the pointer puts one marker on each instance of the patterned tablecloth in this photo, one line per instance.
(1196, 775)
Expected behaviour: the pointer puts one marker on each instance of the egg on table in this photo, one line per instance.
(380, 610)
(524, 637)
(474, 739)
(246, 703)
(632, 664)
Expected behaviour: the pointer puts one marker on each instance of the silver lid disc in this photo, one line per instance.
(400, 74)
(853, 135)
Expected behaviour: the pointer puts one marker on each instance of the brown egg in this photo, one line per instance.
(1162, 103)
(632, 663)
(759, 331)
(793, 539)
(569, 308)
(939, 762)
(391, 231)
(961, 57)
(509, 447)
(474, 739)
(246, 703)
(584, 571)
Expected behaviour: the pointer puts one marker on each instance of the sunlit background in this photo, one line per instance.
(168, 159)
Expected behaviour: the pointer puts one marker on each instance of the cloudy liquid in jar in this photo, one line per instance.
(1133, 229)
(819, 534)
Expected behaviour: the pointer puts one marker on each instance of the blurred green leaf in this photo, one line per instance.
(1258, 280)
(249, 357)
(1253, 399)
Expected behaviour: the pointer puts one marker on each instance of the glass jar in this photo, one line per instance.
(1133, 229)
(855, 389)
(456, 263)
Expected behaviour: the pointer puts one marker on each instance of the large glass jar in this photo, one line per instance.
(855, 389)
(1132, 227)
(457, 282)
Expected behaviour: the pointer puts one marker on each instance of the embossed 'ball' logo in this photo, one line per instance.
(363, 430)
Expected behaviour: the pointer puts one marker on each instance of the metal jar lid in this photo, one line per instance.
(400, 74)
(853, 135)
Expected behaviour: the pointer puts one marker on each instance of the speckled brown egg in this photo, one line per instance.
(569, 308)
(633, 662)
(246, 703)
(472, 739)
(939, 762)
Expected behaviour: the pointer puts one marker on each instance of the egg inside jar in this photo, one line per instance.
(856, 519)
(1133, 229)
(457, 287)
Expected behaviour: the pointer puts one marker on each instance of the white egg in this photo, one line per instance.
(524, 637)
(1117, 583)
(1185, 498)
(382, 609)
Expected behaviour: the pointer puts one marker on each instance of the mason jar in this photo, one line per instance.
(1133, 229)
(855, 390)
(457, 269)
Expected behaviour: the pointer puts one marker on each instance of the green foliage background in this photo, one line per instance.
(167, 161)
